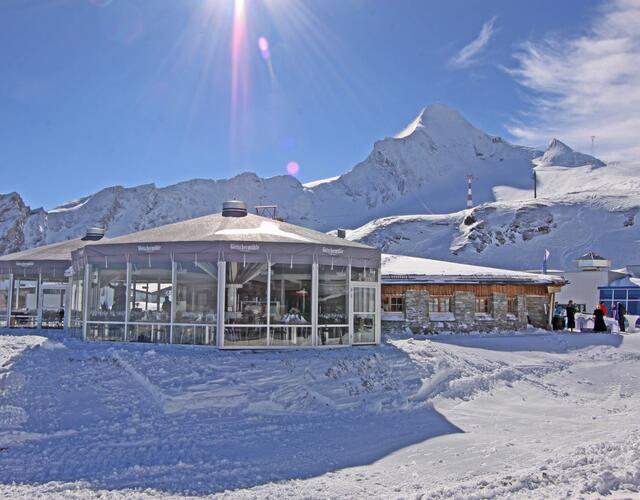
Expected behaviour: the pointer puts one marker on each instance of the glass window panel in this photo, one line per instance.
(291, 294)
(364, 274)
(393, 303)
(80, 298)
(53, 308)
(333, 335)
(364, 328)
(151, 333)
(194, 334)
(620, 295)
(634, 293)
(196, 292)
(107, 291)
(245, 336)
(77, 287)
(246, 293)
(606, 294)
(633, 307)
(439, 303)
(5, 283)
(102, 331)
(150, 292)
(609, 305)
(364, 300)
(333, 295)
(24, 307)
(483, 305)
(291, 335)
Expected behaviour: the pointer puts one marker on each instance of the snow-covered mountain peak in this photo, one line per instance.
(438, 119)
(559, 154)
(421, 171)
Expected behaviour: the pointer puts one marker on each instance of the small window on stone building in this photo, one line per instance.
(512, 305)
(440, 303)
(482, 305)
(393, 303)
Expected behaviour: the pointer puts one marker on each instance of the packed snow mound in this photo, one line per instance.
(559, 154)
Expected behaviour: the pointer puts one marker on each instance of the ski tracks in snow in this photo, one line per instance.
(418, 417)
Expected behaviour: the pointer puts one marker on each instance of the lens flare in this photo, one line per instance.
(239, 66)
(293, 168)
(263, 45)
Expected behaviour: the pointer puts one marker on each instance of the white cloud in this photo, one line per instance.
(468, 54)
(586, 85)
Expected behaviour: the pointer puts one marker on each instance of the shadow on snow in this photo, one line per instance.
(89, 416)
(552, 343)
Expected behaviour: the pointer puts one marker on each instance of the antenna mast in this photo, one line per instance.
(469, 191)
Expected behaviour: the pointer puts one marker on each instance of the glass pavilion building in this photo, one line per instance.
(34, 284)
(232, 280)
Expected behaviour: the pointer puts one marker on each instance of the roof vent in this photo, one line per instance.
(234, 208)
(94, 234)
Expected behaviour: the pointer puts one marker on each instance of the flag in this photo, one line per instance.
(544, 262)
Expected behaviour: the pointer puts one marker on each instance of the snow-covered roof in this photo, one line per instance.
(48, 259)
(591, 256)
(404, 269)
(55, 251)
(216, 227)
(627, 281)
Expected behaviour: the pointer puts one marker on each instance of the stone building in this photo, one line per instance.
(430, 295)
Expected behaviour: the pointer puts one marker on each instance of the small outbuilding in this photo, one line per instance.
(432, 295)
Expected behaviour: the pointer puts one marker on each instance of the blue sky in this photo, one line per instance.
(96, 93)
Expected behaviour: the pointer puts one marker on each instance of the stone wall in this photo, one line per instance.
(416, 309)
(464, 307)
(499, 306)
(463, 317)
(537, 308)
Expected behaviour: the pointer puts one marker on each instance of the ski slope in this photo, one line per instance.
(524, 415)
(578, 209)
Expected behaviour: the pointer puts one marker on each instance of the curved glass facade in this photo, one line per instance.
(242, 301)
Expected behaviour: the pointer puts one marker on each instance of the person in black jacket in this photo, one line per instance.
(621, 312)
(571, 316)
(598, 320)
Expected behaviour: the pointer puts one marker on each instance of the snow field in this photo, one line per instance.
(474, 416)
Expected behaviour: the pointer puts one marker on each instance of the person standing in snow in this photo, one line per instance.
(598, 320)
(621, 311)
(571, 316)
(603, 308)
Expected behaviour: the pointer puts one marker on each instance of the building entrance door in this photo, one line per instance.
(364, 313)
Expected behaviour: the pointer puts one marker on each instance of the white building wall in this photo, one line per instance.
(582, 287)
